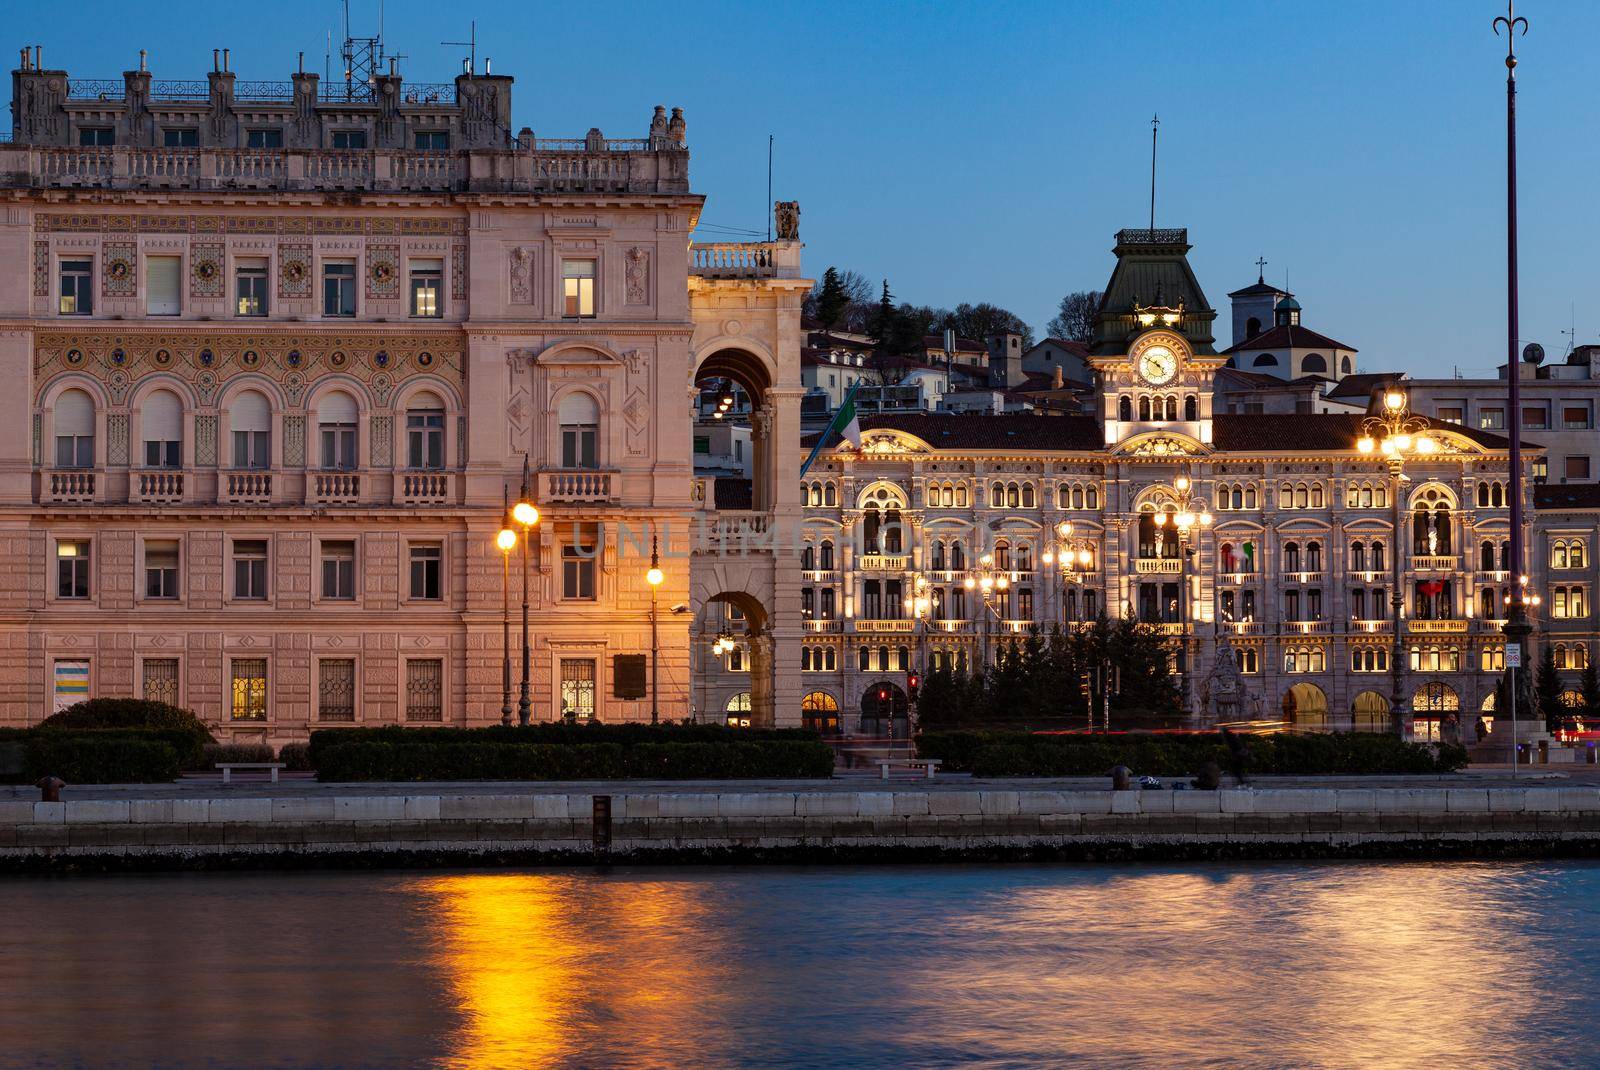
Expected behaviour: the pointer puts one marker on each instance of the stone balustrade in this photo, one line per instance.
(68, 485)
(335, 488)
(156, 486)
(745, 260)
(581, 486)
(247, 487)
(423, 488)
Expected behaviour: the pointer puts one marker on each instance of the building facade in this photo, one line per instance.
(280, 354)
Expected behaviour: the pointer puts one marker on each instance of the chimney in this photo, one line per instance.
(216, 64)
(487, 63)
(144, 64)
(224, 59)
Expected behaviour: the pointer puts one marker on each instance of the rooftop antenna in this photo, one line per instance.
(471, 43)
(769, 187)
(1261, 269)
(1572, 328)
(1155, 121)
(363, 58)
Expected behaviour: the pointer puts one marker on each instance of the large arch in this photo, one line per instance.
(1305, 706)
(1369, 712)
(885, 710)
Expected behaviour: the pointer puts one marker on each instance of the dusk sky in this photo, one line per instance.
(989, 152)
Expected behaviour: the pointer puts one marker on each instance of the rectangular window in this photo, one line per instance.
(75, 451)
(339, 570)
(162, 278)
(1533, 416)
(425, 690)
(252, 449)
(72, 682)
(349, 139)
(702, 444)
(72, 568)
(426, 563)
(163, 453)
(1451, 414)
(1024, 603)
(1574, 417)
(577, 688)
(160, 683)
(336, 689)
(77, 288)
(1541, 469)
(579, 551)
(427, 288)
(250, 569)
(249, 689)
(251, 283)
(184, 138)
(577, 288)
(339, 288)
(1576, 468)
(432, 140)
(579, 446)
(338, 446)
(161, 568)
(1491, 419)
(825, 606)
(1291, 609)
(264, 139)
(97, 136)
(425, 438)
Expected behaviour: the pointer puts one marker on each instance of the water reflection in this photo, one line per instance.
(1458, 965)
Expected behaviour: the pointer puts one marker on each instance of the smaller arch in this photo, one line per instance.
(1264, 360)
(1313, 363)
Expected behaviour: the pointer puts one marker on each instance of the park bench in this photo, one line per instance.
(929, 765)
(228, 768)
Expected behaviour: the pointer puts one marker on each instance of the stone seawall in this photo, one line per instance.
(846, 825)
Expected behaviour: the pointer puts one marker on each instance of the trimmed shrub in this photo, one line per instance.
(296, 757)
(494, 760)
(106, 758)
(555, 734)
(185, 732)
(237, 752)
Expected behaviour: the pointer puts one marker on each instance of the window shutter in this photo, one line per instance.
(162, 274)
(251, 413)
(74, 414)
(163, 418)
(336, 408)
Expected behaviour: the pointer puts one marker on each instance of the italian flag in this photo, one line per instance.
(844, 422)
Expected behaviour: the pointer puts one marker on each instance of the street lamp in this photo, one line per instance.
(1074, 560)
(1396, 436)
(990, 584)
(506, 541)
(654, 577)
(1522, 605)
(1187, 513)
(527, 515)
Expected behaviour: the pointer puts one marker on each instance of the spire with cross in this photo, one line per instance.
(1261, 269)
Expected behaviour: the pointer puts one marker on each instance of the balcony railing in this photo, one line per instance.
(69, 485)
(1160, 566)
(883, 562)
(420, 488)
(247, 487)
(1434, 562)
(157, 485)
(1247, 627)
(1375, 626)
(580, 486)
(1306, 627)
(336, 488)
(744, 260)
(871, 625)
(1436, 627)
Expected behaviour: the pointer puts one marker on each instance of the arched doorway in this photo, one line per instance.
(733, 648)
(732, 428)
(820, 710)
(1432, 703)
(737, 710)
(884, 710)
(1369, 712)
(1306, 708)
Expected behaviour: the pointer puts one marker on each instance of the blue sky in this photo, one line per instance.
(988, 152)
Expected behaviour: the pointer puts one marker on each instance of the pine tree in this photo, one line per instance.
(1589, 687)
(1547, 690)
(832, 301)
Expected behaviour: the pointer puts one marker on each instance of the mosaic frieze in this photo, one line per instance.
(208, 361)
(383, 272)
(41, 269)
(294, 270)
(113, 223)
(121, 276)
(458, 272)
(206, 269)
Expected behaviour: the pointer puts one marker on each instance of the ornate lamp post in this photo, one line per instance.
(654, 577)
(1191, 516)
(1522, 605)
(1396, 436)
(506, 541)
(989, 584)
(1073, 560)
(527, 515)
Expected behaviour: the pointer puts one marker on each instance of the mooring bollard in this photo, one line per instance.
(50, 788)
(602, 826)
(1121, 778)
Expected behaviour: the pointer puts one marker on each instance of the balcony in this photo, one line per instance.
(866, 625)
(883, 562)
(335, 488)
(1247, 627)
(822, 627)
(1375, 626)
(1306, 627)
(736, 533)
(246, 488)
(1489, 626)
(1436, 627)
(69, 485)
(745, 260)
(1434, 562)
(572, 485)
(1158, 566)
(155, 486)
(424, 488)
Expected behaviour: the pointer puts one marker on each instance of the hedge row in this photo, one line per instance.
(1285, 754)
(101, 758)
(767, 758)
(626, 735)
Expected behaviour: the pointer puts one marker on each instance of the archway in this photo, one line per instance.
(1369, 712)
(1305, 706)
(884, 710)
(733, 647)
(737, 710)
(1432, 703)
(733, 428)
(820, 710)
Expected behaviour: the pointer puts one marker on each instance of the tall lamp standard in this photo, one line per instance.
(654, 577)
(506, 541)
(1191, 513)
(1397, 436)
(525, 514)
(989, 584)
(1073, 558)
(1523, 604)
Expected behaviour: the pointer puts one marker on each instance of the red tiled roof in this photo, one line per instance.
(1013, 431)
(1333, 432)
(1288, 336)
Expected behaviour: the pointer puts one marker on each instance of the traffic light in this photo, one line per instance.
(913, 682)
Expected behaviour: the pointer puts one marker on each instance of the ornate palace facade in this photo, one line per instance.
(279, 355)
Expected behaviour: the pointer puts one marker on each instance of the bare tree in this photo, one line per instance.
(1074, 319)
(861, 301)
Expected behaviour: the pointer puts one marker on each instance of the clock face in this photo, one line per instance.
(1158, 365)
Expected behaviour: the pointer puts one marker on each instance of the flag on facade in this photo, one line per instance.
(845, 422)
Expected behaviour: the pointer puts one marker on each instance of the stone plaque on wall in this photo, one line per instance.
(628, 676)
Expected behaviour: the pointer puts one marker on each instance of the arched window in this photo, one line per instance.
(1172, 408)
(251, 420)
(865, 659)
(1252, 326)
(74, 430)
(1144, 408)
(425, 431)
(1291, 557)
(1316, 496)
(1497, 496)
(1191, 408)
(1377, 557)
(1358, 557)
(1002, 556)
(580, 431)
(1125, 409)
(1225, 553)
(1486, 556)
(825, 558)
(1344, 365)
(1250, 498)
(937, 561)
(1301, 496)
(1027, 496)
(1483, 495)
(1575, 553)
(958, 557)
(1486, 606)
(1313, 363)
(1092, 497)
(808, 557)
(336, 425)
(1024, 557)
(1313, 557)
(961, 495)
(162, 417)
(997, 495)
(1013, 496)
(1265, 360)
(829, 497)
(1077, 497)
